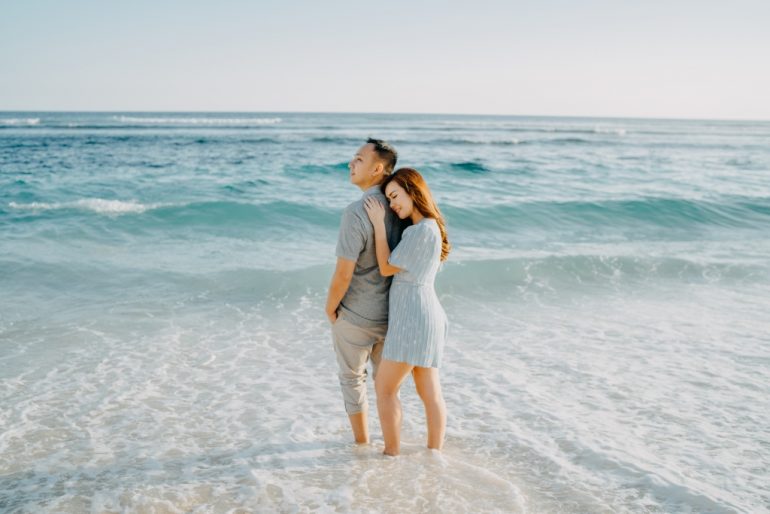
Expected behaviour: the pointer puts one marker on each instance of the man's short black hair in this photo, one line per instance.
(386, 153)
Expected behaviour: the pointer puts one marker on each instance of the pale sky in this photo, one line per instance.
(670, 59)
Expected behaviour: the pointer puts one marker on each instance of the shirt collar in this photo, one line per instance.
(372, 190)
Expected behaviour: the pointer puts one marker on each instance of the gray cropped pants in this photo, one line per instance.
(355, 346)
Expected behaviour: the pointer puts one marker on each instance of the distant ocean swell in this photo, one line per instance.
(512, 279)
(15, 122)
(752, 213)
(571, 273)
(196, 213)
(186, 120)
(244, 121)
(142, 121)
(660, 212)
(269, 138)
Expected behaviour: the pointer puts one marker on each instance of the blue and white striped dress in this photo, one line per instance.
(417, 324)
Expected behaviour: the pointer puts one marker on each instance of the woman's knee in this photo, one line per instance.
(385, 388)
(432, 399)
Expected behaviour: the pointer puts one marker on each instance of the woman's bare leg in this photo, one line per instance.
(390, 376)
(429, 388)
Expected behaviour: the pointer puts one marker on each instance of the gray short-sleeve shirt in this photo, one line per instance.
(366, 301)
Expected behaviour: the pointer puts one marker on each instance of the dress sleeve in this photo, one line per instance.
(352, 237)
(413, 250)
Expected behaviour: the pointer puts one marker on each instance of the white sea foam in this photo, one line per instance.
(183, 120)
(19, 121)
(481, 123)
(98, 205)
(609, 130)
(507, 141)
(578, 417)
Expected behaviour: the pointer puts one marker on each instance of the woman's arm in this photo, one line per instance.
(376, 212)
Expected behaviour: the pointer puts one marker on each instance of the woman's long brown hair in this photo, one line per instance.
(414, 185)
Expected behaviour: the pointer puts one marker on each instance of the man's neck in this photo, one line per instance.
(369, 185)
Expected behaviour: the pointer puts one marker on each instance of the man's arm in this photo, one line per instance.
(343, 274)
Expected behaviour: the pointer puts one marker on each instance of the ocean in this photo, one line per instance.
(163, 345)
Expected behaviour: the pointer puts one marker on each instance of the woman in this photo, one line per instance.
(416, 322)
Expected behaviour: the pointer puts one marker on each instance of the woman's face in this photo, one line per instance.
(400, 202)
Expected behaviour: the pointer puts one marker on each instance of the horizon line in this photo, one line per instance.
(200, 111)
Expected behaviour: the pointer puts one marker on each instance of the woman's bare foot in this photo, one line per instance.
(390, 453)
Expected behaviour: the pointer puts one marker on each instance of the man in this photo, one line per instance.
(357, 303)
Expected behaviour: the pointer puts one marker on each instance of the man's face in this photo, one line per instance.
(363, 164)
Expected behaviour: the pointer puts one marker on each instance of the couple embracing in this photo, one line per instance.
(381, 302)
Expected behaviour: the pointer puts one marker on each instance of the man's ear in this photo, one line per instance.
(379, 169)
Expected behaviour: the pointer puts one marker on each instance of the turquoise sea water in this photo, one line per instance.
(163, 346)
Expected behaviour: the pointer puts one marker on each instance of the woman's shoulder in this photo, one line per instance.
(429, 226)
(426, 227)
(426, 231)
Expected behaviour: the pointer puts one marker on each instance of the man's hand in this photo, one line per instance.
(343, 274)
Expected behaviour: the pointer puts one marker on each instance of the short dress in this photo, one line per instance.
(417, 324)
